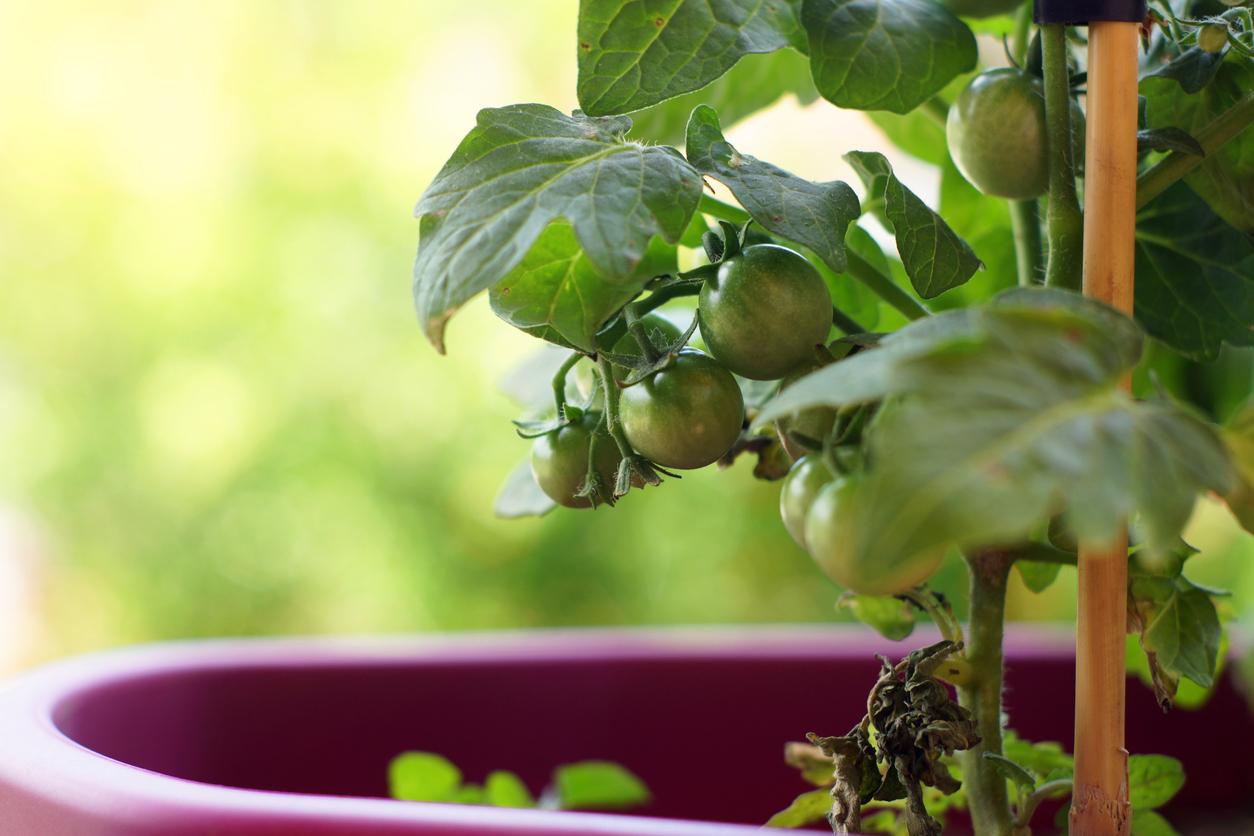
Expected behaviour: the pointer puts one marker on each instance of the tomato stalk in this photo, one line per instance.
(633, 464)
(559, 382)
(1025, 222)
(985, 785)
(1063, 217)
(636, 328)
(1227, 125)
(845, 322)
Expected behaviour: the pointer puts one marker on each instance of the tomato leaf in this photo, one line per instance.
(935, 258)
(1225, 179)
(755, 83)
(521, 496)
(524, 166)
(598, 785)
(1179, 628)
(805, 809)
(892, 618)
(813, 214)
(1037, 575)
(555, 293)
(423, 776)
(505, 789)
(1009, 408)
(1194, 276)
(1010, 770)
(1238, 435)
(1153, 780)
(1150, 823)
(1191, 70)
(885, 54)
(635, 54)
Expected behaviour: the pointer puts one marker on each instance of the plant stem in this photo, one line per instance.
(985, 786)
(1025, 221)
(936, 108)
(1227, 125)
(845, 322)
(612, 422)
(1021, 37)
(1064, 219)
(635, 327)
(716, 208)
(1049, 789)
(884, 287)
(559, 382)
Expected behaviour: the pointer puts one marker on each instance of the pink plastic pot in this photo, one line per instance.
(294, 736)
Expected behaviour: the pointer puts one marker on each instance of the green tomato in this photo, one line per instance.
(1212, 37)
(832, 536)
(997, 136)
(764, 312)
(813, 423)
(802, 484)
(559, 460)
(981, 8)
(685, 416)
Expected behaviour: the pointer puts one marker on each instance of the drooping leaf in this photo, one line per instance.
(1179, 628)
(1012, 408)
(1191, 70)
(813, 214)
(1225, 179)
(521, 496)
(1153, 780)
(524, 166)
(1194, 276)
(1168, 139)
(505, 789)
(885, 54)
(598, 785)
(892, 618)
(1037, 575)
(935, 258)
(556, 294)
(754, 84)
(423, 776)
(805, 809)
(983, 222)
(640, 52)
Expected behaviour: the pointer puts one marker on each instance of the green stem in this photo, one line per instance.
(936, 108)
(1227, 125)
(1064, 219)
(1025, 222)
(635, 327)
(1049, 789)
(845, 322)
(986, 788)
(612, 394)
(1021, 37)
(1043, 553)
(716, 208)
(884, 287)
(559, 382)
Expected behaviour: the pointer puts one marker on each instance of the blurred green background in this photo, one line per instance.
(218, 415)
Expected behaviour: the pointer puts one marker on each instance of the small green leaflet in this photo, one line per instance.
(524, 166)
(1194, 276)
(1150, 823)
(1038, 576)
(1011, 771)
(935, 258)
(598, 785)
(422, 776)
(813, 214)
(805, 809)
(1168, 139)
(521, 496)
(885, 54)
(637, 53)
(892, 618)
(1192, 69)
(1180, 629)
(1153, 780)
(505, 789)
(755, 83)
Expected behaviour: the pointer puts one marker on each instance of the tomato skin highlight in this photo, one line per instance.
(559, 460)
(833, 539)
(685, 416)
(809, 475)
(764, 312)
(997, 135)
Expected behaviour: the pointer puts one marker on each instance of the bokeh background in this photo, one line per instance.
(217, 413)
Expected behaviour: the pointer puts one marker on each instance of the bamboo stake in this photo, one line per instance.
(1100, 800)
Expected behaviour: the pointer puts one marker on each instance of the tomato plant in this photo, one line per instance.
(991, 426)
